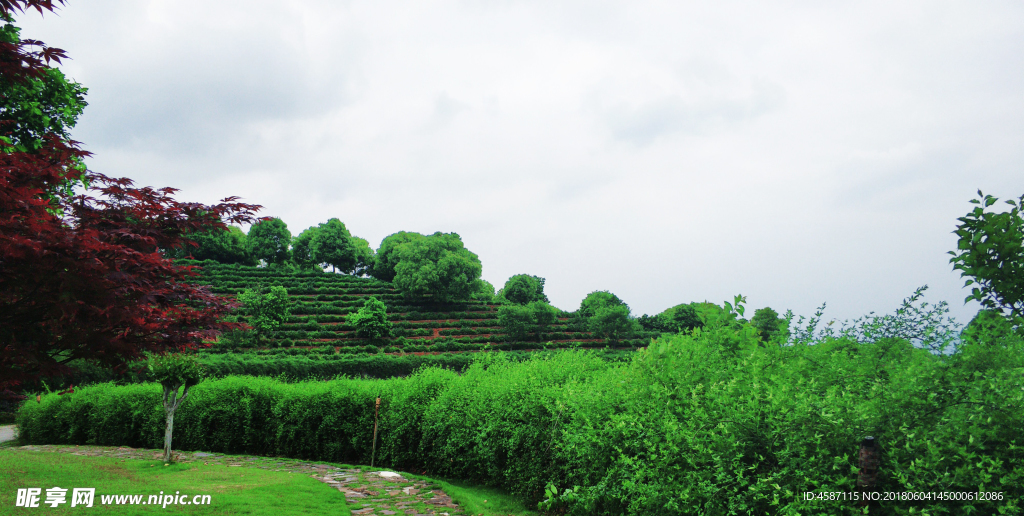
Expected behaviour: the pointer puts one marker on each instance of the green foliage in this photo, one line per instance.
(599, 299)
(990, 251)
(301, 253)
(437, 267)
(606, 315)
(239, 338)
(683, 318)
(989, 326)
(223, 246)
(770, 327)
(371, 321)
(364, 256)
(542, 315)
(269, 240)
(516, 321)
(175, 370)
(47, 104)
(523, 289)
(387, 257)
(681, 428)
(679, 318)
(266, 311)
(320, 366)
(332, 244)
(483, 291)
(612, 321)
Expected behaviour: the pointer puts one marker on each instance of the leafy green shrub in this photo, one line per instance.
(515, 321)
(265, 310)
(710, 422)
(371, 320)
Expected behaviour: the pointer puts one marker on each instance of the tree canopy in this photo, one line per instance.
(599, 299)
(523, 289)
(769, 325)
(364, 256)
(606, 315)
(332, 244)
(269, 240)
(83, 276)
(437, 267)
(387, 258)
(225, 245)
(301, 254)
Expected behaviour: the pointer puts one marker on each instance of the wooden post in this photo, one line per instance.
(867, 476)
(376, 411)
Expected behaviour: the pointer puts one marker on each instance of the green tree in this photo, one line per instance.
(599, 299)
(364, 256)
(332, 244)
(387, 257)
(990, 251)
(523, 289)
(301, 254)
(265, 311)
(438, 267)
(769, 325)
(269, 240)
(174, 371)
(683, 317)
(371, 321)
(605, 314)
(222, 245)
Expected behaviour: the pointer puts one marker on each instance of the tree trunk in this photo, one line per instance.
(171, 405)
(167, 435)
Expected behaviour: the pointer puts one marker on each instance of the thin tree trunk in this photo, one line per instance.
(167, 436)
(170, 406)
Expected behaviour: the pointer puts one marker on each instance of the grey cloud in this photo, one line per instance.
(643, 124)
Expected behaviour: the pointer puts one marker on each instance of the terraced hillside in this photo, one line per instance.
(322, 302)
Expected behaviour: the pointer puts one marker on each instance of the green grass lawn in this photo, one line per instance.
(480, 500)
(232, 490)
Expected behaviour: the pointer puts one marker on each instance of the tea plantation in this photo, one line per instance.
(322, 302)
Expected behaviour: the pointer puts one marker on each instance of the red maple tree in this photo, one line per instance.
(82, 273)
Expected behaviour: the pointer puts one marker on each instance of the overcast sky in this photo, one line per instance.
(793, 152)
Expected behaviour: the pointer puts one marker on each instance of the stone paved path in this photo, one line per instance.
(8, 433)
(367, 492)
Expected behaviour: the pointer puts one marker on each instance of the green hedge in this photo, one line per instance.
(328, 366)
(710, 423)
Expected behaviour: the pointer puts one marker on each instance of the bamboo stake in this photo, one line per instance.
(376, 410)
